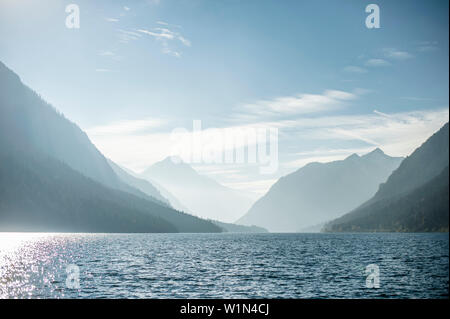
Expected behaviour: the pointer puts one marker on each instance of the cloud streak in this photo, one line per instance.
(377, 62)
(128, 36)
(164, 35)
(397, 54)
(295, 105)
(354, 69)
(136, 144)
(126, 127)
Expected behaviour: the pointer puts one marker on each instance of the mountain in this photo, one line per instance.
(141, 184)
(172, 200)
(154, 189)
(199, 194)
(319, 192)
(235, 228)
(52, 178)
(36, 125)
(312, 229)
(414, 198)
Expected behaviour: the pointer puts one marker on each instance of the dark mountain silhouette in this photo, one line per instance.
(38, 193)
(319, 192)
(414, 198)
(200, 194)
(29, 123)
(52, 178)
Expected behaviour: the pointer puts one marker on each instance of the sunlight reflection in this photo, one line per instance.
(21, 257)
(12, 241)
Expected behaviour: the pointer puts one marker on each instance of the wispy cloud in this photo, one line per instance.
(417, 99)
(102, 70)
(127, 127)
(427, 46)
(136, 144)
(167, 50)
(397, 54)
(159, 33)
(185, 41)
(297, 104)
(388, 53)
(112, 19)
(354, 69)
(106, 53)
(164, 35)
(164, 23)
(128, 36)
(377, 62)
(381, 113)
(126, 8)
(109, 54)
(396, 133)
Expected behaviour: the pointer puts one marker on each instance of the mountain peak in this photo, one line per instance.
(170, 165)
(413, 198)
(296, 201)
(352, 157)
(172, 160)
(376, 153)
(200, 194)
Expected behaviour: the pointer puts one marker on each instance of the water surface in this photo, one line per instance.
(224, 265)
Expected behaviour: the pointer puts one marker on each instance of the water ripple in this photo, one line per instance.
(224, 265)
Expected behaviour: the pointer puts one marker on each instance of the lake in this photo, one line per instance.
(41, 265)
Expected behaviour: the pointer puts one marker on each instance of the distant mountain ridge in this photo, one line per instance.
(319, 192)
(414, 198)
(141, 184)
(36, 125)
(426, 162)
(52, 178)
(235, 228)
(38, 193)
(201, 195)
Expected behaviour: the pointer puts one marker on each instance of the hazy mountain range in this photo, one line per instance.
(54, 179)
(141, 184)
(199, 194)
(319, 192)
(414, 198)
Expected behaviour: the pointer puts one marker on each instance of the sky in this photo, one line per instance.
(136, 70)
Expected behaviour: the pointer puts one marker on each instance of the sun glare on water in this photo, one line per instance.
(19, 253)
(9, 242)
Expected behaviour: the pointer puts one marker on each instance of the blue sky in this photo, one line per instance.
(138, 69)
